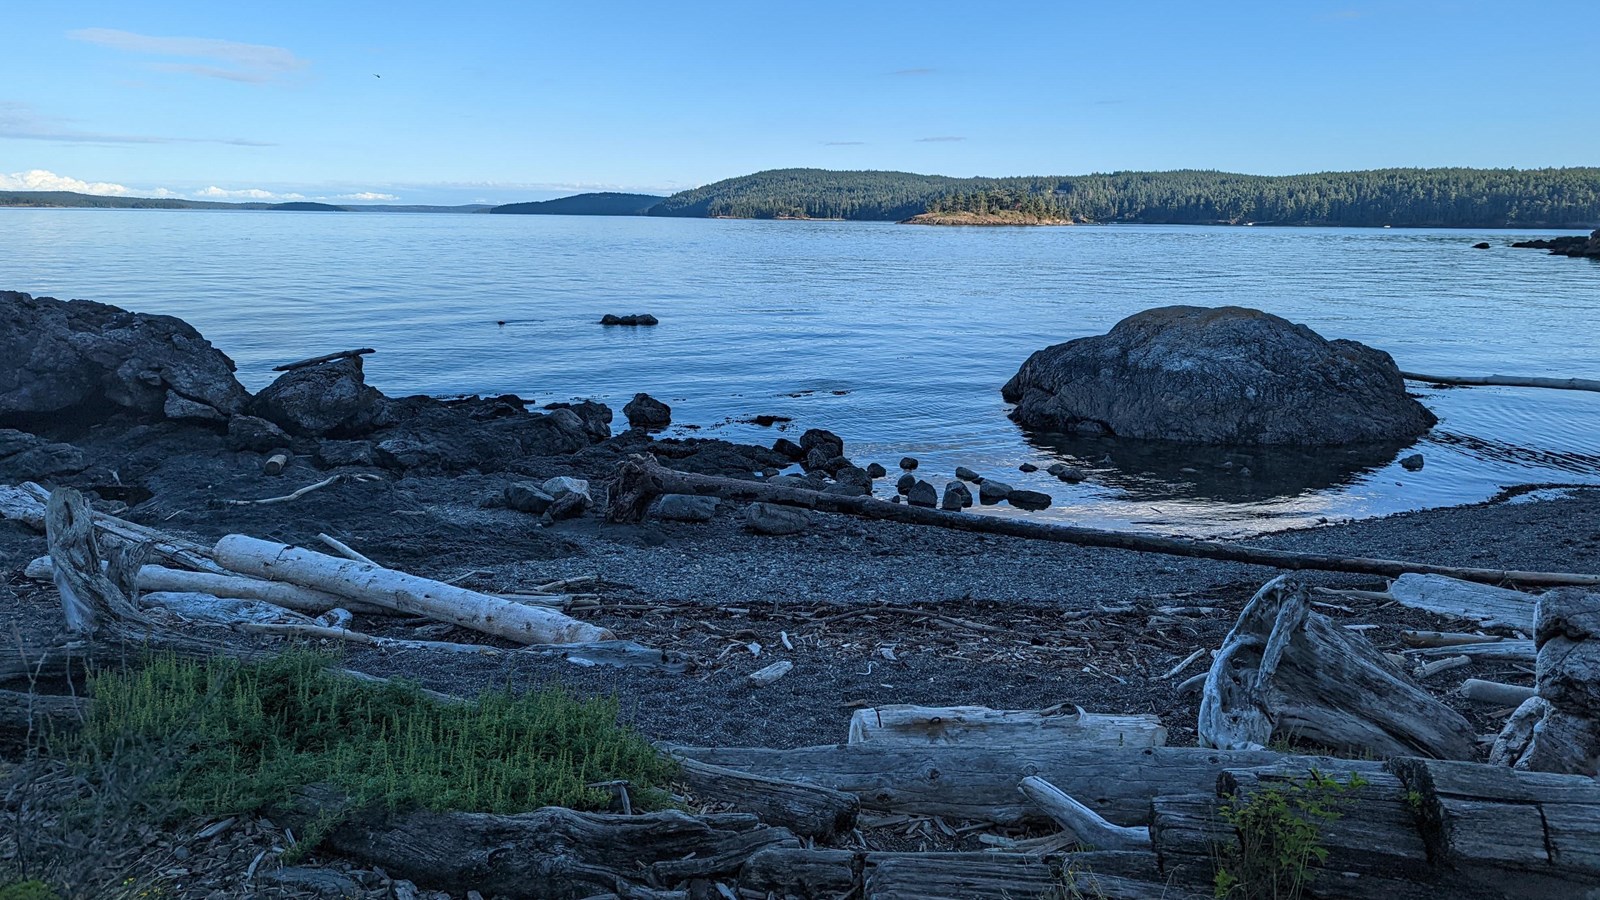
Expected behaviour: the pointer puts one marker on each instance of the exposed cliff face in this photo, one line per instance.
(1217, 376)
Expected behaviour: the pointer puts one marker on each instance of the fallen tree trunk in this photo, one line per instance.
(980, 784)
(805, 809)
(239, 587)
(26, 503)
(1561, 384)
(825, 874)
(1487, 605)
(641, 479)
(974, 726)
(402, 592)
(28, 716)
(552, 853)
(319, 360)
(1286, 671)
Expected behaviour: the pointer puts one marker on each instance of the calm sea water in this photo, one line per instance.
(898, 338)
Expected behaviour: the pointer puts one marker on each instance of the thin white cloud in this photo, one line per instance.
(44, 180)
(366, 195)
(216, 193)
(942, 139)
(228, 60)
(19, 121)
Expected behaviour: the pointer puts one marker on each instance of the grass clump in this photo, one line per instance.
(242, 737)
(1280, 838)
(32, 889)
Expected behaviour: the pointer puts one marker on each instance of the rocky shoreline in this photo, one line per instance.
(1577, 246)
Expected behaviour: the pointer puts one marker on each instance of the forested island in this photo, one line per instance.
(1400, 198)
(604, 203)
(75, 200)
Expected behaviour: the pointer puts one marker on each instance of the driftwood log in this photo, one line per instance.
(980, 784)
(403, 593)
(640, 479)
(1487, 605)
(319, 360)
(1288, 672)
(808, 810)
(26, 503)
(1563, 384)
(278, 593)
(978, 726)
(93, 596)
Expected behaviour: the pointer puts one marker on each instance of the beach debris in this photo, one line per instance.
(1084, 824)
(768, 674)
(1286, 671)
(296, 495)
(319, 360)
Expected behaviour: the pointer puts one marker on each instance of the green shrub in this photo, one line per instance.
(241, 737)
(28, 890)
(1280, 838)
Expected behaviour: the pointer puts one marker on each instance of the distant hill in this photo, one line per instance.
(1477, 198)
(70, 199)
(605, 203)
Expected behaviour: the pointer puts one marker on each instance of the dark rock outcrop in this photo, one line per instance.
(78, 359)
(632, 319)
(1217, 376)
(255, 434)
(331, 399)
(645, 411)
(1567, 246)
(25, 457)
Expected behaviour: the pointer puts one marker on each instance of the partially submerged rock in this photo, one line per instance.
(632, 319)
(645, 411)
(75, 358)
(1567, 246)
(1217, 376)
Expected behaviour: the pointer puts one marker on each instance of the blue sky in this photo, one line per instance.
(496, 101)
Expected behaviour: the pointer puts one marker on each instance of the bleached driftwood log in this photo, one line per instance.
(26, 503)
(92, 595)
(808, 810)
(279, 593)
(1083, 823)
(641, 479)
(980, 784)
(976, 726)
(1489, 606)
(200, 607)
(1501, 651)
(1284, 670)
(1559, 730)
(402, 592)
(1480, 691)
(1533, 381)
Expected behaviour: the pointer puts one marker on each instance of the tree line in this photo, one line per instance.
(1454, 197)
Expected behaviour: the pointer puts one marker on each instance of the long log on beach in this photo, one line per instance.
(640, 479)
(1560, 384)
(403, 592)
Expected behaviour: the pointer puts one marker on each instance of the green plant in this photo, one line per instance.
(33, 889)
(1279, 832)
(242, 737)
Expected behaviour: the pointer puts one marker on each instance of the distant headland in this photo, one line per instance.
(1566, 198)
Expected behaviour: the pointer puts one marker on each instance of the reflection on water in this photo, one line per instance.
(897, 338)
(1166, 470)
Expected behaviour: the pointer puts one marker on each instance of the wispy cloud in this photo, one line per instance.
(941, 139)
(842, 143)
(367, 195)
(227, 60)
(913, 72)
(19, 121)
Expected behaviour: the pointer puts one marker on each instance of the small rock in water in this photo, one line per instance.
(645, 411)
(876, 471)
(853, 475)
(991, 492)
(817, 459)
(956, 496)
(1032, 500)
(525, 496)
(966, 474)
(909, 463)
(770, 518)
(837, 464)
(821, 437)
(789, 449)
(1412, 463)
(767, 421)
(686, 508)
(905, 483)
(1481, 245)
(1027, 467)
(634, 319)
(923, 494)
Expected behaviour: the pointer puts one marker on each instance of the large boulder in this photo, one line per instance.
(26, 457)
(328, 399)
(1217, 376)
(78, 358)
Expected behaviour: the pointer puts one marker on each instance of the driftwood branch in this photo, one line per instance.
(1083, 823)
(319, 360)
(979, 726)
(641, 479)
(1563, 384)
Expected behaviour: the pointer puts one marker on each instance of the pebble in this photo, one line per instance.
(876, 471)
(1412, 463)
